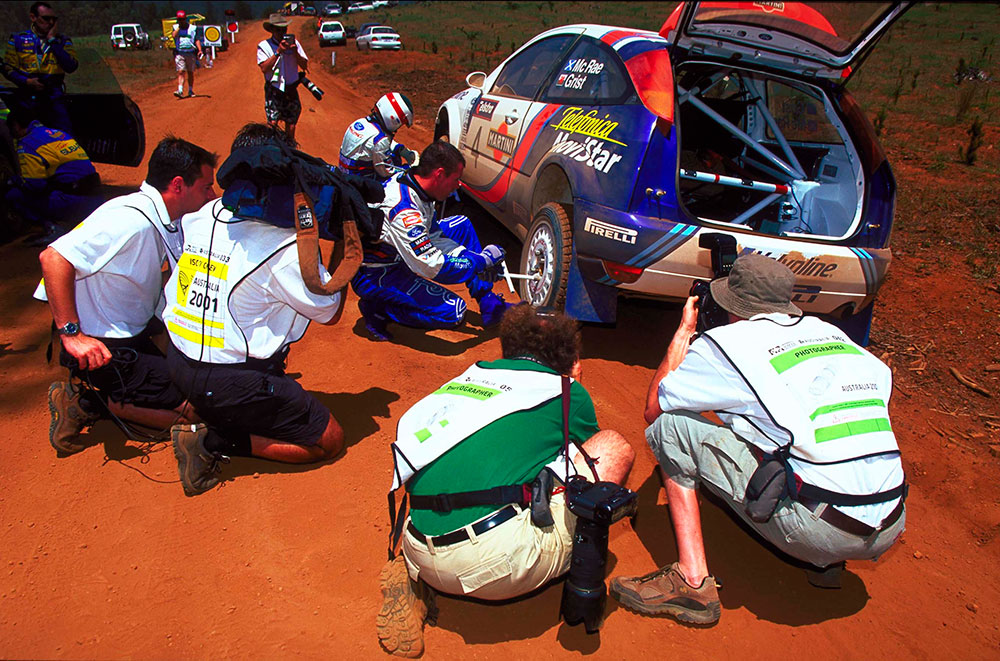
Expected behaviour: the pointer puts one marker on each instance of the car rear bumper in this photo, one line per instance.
(647, 256)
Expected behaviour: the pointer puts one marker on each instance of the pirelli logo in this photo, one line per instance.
(609, 231)
(500, 142)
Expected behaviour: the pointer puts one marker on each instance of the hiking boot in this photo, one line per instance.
(67, 418)
(491, 308)
(197, 466)
(376, 323)
(665, 591)
(400, 623)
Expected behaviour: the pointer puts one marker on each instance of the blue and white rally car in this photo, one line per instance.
(616, 154)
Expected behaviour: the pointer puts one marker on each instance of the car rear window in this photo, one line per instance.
(592, 74)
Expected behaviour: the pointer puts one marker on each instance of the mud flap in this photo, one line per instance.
(587, 300)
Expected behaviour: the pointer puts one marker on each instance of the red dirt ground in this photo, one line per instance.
(104, 557)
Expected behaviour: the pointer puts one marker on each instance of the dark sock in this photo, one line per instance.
(233, 444)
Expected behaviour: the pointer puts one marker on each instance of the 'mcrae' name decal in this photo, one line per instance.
(590, 151)
(609, 231)
(500, 142)
(575, 121)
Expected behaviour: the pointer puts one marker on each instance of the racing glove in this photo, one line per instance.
(492, 269)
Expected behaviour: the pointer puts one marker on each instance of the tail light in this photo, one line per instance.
(621, 272)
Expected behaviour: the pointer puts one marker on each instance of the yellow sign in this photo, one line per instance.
(213, 33)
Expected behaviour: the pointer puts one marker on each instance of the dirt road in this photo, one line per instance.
(104, 557)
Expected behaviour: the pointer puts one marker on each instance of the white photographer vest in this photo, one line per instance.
(828, 393)
(197, 313)
(461, 407)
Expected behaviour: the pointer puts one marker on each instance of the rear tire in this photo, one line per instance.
(548, 250)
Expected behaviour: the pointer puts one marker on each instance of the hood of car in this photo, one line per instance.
(817, 39)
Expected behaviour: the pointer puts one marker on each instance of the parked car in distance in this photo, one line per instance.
(354, 7)
(332, 32)
(129, 35)
(628, 162)
(378, 37)
(332, 9)
(309, 11)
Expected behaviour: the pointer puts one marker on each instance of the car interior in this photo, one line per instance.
(766, 153)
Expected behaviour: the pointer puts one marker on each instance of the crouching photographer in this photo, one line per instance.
(484, 459)
(246, 286)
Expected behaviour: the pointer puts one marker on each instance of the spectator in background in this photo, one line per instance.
(37, 61)
(280, 57)
(187, 48)
(58, 183)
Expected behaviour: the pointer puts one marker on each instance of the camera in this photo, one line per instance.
(596, 506)
(288, 39)
(311, 86)
(723, 252)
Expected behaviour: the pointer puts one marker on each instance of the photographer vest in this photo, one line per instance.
(829, 394)
(461, 407)
(198, 313)
(184, 40)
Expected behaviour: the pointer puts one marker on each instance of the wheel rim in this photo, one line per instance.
(541, 260)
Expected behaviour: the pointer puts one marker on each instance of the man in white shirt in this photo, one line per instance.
(280, 57)
(234, 305)
(104, 285)
(806, 454)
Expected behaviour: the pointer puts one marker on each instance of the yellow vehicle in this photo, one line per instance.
(168, 28)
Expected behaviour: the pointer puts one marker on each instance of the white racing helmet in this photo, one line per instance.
(393, 110)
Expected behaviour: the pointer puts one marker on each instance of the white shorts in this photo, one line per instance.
(185, 62)
(508, 561)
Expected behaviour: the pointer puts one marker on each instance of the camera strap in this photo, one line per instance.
(346, 256)
(566, 384)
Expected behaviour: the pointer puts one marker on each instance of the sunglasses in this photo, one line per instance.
(50, 18)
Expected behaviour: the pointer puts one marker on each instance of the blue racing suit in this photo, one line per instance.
(31, 56)
(416, 251)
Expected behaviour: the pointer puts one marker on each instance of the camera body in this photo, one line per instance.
(723, 251)
(288, 39)
(710, 313)
(596, 506)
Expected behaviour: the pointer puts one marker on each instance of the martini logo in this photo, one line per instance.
(590, 152)
(500, 142)
(485, 108)
(575, 121)
(609, 231)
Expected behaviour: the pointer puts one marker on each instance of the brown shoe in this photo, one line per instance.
(67, 418)
(666, 591)
(197, 466)
(400, 623)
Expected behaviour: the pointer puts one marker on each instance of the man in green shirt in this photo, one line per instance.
(488, 432)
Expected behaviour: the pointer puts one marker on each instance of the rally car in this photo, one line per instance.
(620, 157)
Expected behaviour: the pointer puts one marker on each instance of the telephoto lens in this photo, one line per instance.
(584, 593)
(311, 86)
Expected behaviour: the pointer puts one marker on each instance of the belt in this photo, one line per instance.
(479, 527)
(848, 524)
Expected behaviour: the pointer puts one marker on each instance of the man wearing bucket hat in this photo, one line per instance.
(805, 455)
(280, 57)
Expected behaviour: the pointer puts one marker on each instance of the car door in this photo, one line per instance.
(499, 117)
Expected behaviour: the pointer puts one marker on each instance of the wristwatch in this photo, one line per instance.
(70, 328)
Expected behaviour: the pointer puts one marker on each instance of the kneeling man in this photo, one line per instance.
(806, 455)
(466, 451)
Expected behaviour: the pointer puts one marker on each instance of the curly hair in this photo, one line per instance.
(552, 339)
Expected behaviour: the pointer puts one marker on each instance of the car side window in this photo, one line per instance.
(524, 74)
(592, 75)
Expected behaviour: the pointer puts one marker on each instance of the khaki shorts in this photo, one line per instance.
(508, 561)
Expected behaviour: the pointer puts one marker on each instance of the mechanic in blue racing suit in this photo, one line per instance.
(416, 253)
(368, 148)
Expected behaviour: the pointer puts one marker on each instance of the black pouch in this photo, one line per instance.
(767, 487)
(541, 494)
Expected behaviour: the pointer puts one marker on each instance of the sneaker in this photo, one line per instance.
(179, 94)
(67, 418)
(400, 623)
(491, 308)
(376, 323)
(190, 93)
(197, 466)
(665, 591)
